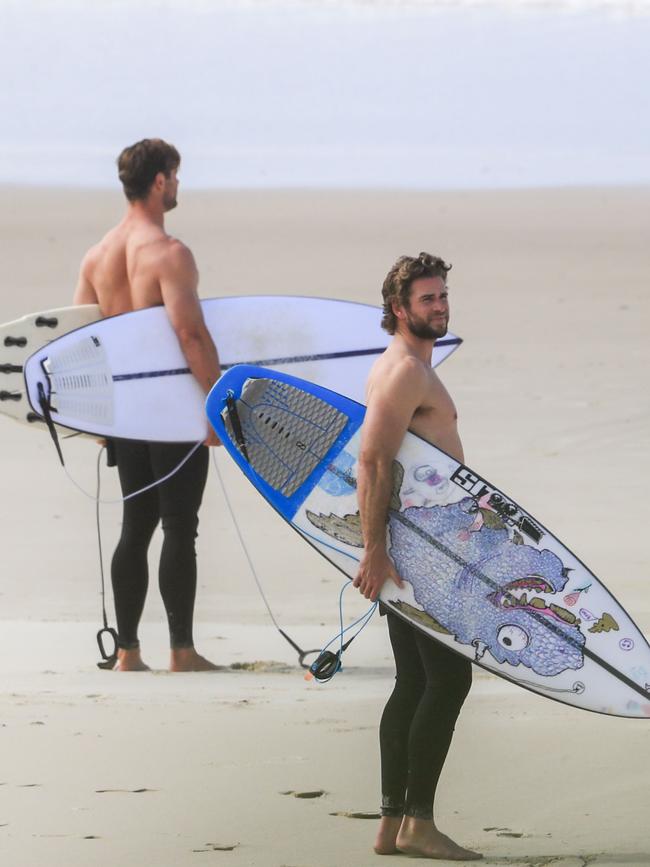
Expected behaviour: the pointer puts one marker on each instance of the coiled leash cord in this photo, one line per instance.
(329, 663)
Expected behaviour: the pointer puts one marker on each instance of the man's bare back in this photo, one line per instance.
(137, 265)
(125, 268)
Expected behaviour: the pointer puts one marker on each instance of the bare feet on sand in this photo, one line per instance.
(420, 838)
(130, 660)
(187, 659)
(387, 835)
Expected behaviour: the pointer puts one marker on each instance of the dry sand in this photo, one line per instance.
(549, 291)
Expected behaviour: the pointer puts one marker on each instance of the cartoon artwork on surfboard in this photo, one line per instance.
(21, 338)
(126, 376)
(481, 575)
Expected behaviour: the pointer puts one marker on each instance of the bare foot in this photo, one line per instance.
(130, 660)
(187, 659)
(387, 835)
(420, 838)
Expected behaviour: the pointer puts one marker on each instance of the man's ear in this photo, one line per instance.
(397, 309)
(159, 181)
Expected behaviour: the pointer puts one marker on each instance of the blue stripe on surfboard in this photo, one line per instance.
(293, 359)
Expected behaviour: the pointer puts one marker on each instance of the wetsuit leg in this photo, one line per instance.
(129, 569)
(398, 713)
(418, 722)
(179, 501)
(448, 680)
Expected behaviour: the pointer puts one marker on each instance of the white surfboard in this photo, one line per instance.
(480, 574)
(21, 338)
(126, 376)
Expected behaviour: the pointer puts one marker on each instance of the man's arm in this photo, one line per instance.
(391, 405)
(179, 287)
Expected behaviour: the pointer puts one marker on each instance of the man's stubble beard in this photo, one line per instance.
(425, 331)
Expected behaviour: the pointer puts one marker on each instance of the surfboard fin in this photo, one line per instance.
(236, 425)
(45, 409)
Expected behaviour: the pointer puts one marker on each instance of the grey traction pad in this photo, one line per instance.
(287, 431)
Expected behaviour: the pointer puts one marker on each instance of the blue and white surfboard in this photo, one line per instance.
(481, 575)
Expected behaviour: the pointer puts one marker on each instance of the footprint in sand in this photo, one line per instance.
(316, 793)
(266, 666)
(217, 847)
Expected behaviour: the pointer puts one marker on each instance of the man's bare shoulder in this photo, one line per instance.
(93, 256)
(112, 242)
(396, 375)
(174, 256)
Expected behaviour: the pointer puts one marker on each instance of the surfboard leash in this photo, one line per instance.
(109, 658)
(329, 663)
(302, 654)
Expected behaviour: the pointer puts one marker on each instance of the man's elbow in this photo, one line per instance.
(190, 336)
(373, 462)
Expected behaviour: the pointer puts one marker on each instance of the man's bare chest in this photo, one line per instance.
(437, 404)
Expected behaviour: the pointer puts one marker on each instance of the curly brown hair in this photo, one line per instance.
(139, 164)
(400, 278)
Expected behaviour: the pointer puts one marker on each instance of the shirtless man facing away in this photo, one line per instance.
(404, 392)
(137, 265)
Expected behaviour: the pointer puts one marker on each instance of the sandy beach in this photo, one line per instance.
(252, 765)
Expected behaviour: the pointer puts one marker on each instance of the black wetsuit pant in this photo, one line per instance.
(175, 503)
(418, 722)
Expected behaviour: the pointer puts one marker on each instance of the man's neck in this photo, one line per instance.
(416, 346)
(146, 210)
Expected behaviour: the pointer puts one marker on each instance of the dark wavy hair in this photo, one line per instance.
(398, 282)
(139, 164)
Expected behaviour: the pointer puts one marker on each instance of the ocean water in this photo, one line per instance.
(329, 93)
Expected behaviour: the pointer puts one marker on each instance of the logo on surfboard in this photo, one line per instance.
(511, 514)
